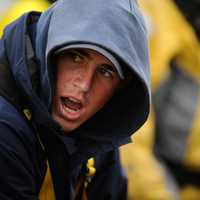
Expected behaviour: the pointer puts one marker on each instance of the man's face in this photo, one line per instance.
(85, 81)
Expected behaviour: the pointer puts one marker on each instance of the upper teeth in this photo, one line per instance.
(74, 100)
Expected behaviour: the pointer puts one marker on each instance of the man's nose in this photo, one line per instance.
(85, 79)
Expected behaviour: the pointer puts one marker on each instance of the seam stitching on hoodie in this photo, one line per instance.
(131, 8)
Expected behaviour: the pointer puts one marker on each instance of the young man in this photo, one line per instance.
(74, 85)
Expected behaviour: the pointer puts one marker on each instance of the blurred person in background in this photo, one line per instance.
(12, 9)
(165, 161)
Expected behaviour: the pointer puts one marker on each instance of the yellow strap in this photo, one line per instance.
(83, 181)
(91, 170)
(90, 167)
(47, 189)
(27, 113)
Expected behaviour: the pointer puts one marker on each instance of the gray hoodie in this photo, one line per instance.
(118, 27)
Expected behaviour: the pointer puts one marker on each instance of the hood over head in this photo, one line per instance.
(116, 26)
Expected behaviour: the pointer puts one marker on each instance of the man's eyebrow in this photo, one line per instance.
(82, 52)
(111, 67)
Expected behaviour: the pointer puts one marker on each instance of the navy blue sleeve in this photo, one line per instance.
(16, 169)
(110, 181)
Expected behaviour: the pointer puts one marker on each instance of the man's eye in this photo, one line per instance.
(76, 57)
(106, 72)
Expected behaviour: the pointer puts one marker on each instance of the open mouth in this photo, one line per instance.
(72, 107)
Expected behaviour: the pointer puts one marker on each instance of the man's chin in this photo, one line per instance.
(67, 126)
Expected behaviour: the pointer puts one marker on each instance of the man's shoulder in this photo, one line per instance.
(12, 121)
(20, 156)
(9, 112)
